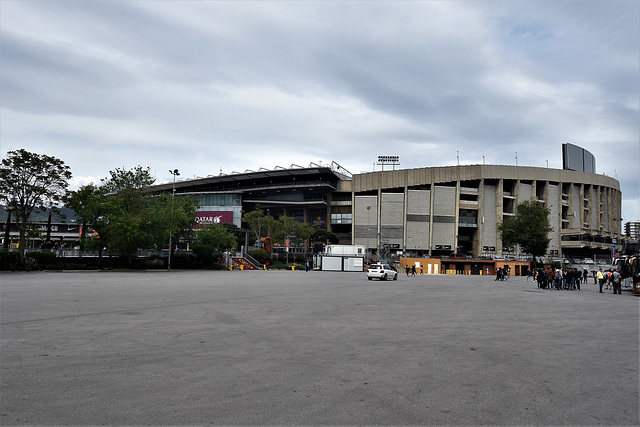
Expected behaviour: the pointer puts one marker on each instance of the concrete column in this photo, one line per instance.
(353, 218)
(431, 194)
(479, 243)
(404, 220)
(499, 214)
(379, 225)
(457, 218)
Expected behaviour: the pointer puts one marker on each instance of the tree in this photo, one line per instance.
(123, 181)
(127, 225)
(128, 218)
(87, 204)
(529, 228)
(162, 223)
(217, 237)
(29, 181)
(257, 222)
(322, 235)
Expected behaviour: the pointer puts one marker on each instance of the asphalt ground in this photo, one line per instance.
(322, 348)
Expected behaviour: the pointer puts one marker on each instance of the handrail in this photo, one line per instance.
(252, 260)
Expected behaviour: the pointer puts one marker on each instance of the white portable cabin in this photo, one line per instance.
(340, 258)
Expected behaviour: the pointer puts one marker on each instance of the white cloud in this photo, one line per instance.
(241, 85)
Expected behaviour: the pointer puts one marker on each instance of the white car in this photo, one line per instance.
(382, 272)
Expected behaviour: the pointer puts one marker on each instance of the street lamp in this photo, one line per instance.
(368, 229)
(173, 190)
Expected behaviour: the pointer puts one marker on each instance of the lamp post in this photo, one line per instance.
(368, 229)
(173, 191)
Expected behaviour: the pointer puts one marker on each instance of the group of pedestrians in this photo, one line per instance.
(571, 278)
(560, 278)
(610, 280)
(413, 270)
(503, 273)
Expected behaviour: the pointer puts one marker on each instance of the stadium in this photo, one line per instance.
(431, 211)
(436, 212)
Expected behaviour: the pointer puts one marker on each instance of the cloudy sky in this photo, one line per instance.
(210, 86)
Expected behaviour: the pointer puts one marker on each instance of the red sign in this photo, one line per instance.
(214, 217)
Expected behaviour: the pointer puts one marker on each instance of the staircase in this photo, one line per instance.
(246, 265)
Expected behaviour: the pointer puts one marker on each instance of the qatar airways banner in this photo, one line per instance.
(214, 217)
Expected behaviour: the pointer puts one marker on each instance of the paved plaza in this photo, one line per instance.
(322, 348)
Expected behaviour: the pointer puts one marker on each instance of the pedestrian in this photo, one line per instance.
(407, 269)
(616, 280)
(540, 279)
(421, 270)
(600, 277)
(413, 270)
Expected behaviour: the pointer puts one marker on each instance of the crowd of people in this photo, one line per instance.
(571, 278)
(560, 278)
(503, 273)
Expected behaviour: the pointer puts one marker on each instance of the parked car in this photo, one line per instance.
(382, 272)
(588, 261)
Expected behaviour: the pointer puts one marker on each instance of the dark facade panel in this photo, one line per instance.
(418, 218)
(444, 219)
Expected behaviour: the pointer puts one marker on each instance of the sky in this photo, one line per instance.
(227, 86)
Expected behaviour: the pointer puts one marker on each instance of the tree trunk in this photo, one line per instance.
(22, 242)
(48, 239)
(7, 231)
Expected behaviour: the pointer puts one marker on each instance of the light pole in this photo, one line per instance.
(368, 230)
(173, 191)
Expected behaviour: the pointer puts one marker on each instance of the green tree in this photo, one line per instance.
(128, 218)
(29, 181)
(87, 204)
(123, 181)
(529, 228)
(257, 222)
(179, 224)
(127, 226)
(322, 235)
(286, 228)
(217, 237)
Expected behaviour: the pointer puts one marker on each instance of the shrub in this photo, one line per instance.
(153, 263)
(43, 258)
(204, 254)
(183, 261)
(10, 261)
(279, 265)
(261, 255)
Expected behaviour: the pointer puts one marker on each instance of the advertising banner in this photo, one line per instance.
(214, 217)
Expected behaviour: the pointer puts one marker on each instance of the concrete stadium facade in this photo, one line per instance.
(431, 211)
(438, 210)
